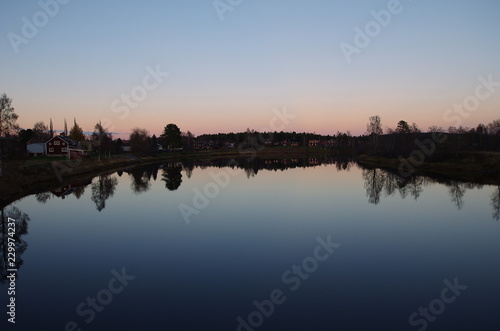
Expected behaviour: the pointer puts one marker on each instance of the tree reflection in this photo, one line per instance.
(188, 168)
(414, 185)
(172, 176)
(140, 181)
(43, 197)
(495, 203)
(102, 190)
(457, 191)
(79, 191)
(21, 228)
(374, 184)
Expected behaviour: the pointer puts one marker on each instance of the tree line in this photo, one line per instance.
(394, 142)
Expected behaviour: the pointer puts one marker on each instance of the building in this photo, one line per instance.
(314, 143)
(60, 145)
(35, 149)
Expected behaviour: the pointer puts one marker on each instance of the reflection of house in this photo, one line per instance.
(313, 161)
(64, 191)
(59, 146)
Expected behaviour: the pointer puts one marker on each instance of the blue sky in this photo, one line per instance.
(227, 75)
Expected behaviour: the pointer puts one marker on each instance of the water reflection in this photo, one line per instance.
(75, 188)
(141, 178)
(102, 190)
(21, 228)
(378, 183)
(495, 203)
(172, 176)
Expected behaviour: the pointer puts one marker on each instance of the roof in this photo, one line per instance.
(66, 139)
(36, 140)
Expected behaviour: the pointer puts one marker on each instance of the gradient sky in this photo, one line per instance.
(266, 54)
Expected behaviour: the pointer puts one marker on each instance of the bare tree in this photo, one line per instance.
(41, 131)
(374, 126)
(102, 139)
(8, 118)
(139, 140)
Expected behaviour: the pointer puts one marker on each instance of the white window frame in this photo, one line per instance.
(57, 142)
(51, 150)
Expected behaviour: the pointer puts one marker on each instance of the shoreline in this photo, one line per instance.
(20, 178)
(25, 177)
(463, 167)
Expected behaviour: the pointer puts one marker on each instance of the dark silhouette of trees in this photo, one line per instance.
(26, 135)
(171, 137)
(21, 228)
(457, 191)
(402, 127)
(187, 141)
(79, 191)
(139, 140)
(76, 132)
(172, 176)
(374, 184)
(8, 117)
(41, 131)
(374, 130)
(102, 190)
(374, 126)
(140, 180)
(102, 139)
(43, 197)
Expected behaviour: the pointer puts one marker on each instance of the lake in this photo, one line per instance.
(291, 244)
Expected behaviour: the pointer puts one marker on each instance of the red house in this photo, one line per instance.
(59, 145)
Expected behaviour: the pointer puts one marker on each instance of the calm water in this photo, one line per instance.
(280, 245)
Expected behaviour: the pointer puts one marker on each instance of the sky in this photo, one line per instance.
(228, 65)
